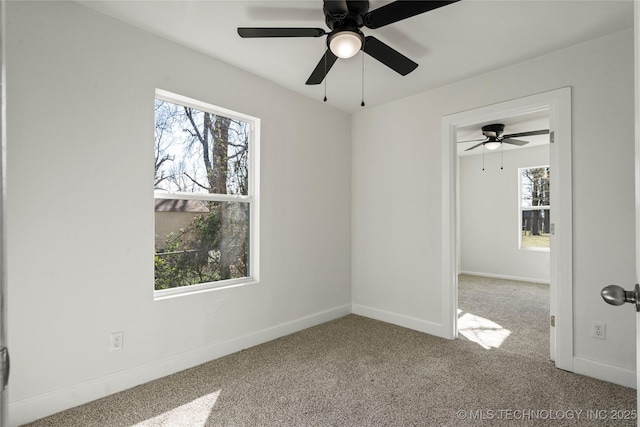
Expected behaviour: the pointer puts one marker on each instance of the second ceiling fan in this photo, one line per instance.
(495, 137)
(345, 18)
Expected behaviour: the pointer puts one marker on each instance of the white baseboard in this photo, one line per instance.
(45, 404)
(36, 407)
(425, 326)
(601, 371)
(502, 276)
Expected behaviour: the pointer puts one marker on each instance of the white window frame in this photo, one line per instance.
(528, 208)
(252, 198)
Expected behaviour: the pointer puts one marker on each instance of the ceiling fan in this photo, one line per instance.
(494, 137)
(345, 18)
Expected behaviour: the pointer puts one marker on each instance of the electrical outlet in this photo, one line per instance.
(116, 341)
(599, 331)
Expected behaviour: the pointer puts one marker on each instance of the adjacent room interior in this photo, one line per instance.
(503, 259)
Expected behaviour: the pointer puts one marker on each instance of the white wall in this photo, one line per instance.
(489, 213)
(80, 210)
(80, 131)
(396, 193)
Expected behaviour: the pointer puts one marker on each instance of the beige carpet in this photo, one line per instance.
(356, 371)
(512, 314)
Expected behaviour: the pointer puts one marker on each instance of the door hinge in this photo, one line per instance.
(552, 229)
(552, 137)
(553, 321)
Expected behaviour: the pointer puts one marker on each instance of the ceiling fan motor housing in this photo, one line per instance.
(346, 20)
(493, 130)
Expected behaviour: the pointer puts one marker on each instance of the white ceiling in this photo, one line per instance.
(449, 44)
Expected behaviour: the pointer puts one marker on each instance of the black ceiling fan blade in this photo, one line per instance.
(336, 7)
(531, 133)
(249, 33)
(475, 146)
(473, 140)
(399, 10)
(388, 56)
(518, 142)
(322, 69)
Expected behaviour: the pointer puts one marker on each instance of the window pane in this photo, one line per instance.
(200, 242)
(199, 152)
(535, 228)
(534, 190)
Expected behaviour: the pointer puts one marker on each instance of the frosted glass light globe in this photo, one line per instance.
(492, 145)
(345, 44)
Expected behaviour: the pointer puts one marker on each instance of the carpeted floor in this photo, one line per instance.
(510, 314)
(356, 371)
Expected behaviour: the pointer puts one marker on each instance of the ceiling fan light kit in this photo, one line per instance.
(345, 44)
(492, 144)
(345, 18)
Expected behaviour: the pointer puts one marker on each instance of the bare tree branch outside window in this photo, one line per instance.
(535, 206)
(200, 152)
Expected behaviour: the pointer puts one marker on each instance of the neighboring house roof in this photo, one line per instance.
(172, 205)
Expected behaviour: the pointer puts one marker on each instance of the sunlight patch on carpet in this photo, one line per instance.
(193, 414)
(483, 331)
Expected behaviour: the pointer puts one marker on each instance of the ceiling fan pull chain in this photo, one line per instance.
(362, 103)
(325, 76)
(483, 157)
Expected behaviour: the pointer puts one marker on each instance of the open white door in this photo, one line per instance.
(4, 353)
(614, 294)
(636, 73)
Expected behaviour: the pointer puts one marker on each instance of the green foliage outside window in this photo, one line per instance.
(204, 153)
(535, 200)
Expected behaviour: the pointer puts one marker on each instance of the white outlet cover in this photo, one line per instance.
(603, 328)
(116, 341)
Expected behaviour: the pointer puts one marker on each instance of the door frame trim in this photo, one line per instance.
(558, 103)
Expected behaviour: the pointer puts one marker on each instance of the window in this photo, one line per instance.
(534, 208)
(205, 196)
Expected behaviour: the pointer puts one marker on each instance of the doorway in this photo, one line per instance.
(558, 105)
(503, 249)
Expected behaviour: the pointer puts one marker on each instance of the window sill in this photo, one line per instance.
(203, 287)
(534, 249)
